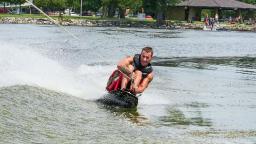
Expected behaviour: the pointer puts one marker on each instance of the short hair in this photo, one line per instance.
(148, 49)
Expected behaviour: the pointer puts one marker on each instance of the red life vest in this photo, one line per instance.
(114, 81)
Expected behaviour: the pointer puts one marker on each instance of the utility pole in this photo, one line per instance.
(81, 8)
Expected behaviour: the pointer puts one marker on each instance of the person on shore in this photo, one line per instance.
(212, 23)
(135, 72)
(206, 20)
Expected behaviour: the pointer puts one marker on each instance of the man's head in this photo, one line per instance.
(146, 56)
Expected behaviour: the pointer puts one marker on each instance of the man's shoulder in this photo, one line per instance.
(130, 58)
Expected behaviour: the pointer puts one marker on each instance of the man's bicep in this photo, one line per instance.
(126, 61)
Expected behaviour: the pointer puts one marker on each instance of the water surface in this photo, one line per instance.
(203, 90)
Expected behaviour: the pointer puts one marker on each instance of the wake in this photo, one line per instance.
(20, 66)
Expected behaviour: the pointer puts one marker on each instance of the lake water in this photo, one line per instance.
(204, 88)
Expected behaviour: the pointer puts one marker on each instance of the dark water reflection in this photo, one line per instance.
(130, 114)
(175, 116)
(141, 33)
(213, 88)
(130, 30)
(209, 63)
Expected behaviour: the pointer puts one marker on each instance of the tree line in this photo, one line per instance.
(155, 8)
(107, 7)
(249, 1)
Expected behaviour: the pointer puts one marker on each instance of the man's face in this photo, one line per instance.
(145, 58)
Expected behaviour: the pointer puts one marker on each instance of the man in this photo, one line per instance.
(137, 71)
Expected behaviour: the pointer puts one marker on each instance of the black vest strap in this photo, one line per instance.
(137, 66)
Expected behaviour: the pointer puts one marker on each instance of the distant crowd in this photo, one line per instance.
(211, 22)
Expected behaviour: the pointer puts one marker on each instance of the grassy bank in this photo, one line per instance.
(22, 15)
(64, 17)
(127, 22)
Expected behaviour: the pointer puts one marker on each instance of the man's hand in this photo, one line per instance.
(143, 85)
(134, 88)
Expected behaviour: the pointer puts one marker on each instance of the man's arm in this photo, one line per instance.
(123, 65)
(144, 84)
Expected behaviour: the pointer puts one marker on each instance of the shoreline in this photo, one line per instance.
(125, 23)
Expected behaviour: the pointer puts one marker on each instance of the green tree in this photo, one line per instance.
(249, 1)
(131, 4)
(17, 1)
(110, 6)
(43, 4)
(70, 4)
(158, 8)
(92, 5)
(57, 5)
(51, 5)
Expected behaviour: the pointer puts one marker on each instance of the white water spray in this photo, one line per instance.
(19, 66)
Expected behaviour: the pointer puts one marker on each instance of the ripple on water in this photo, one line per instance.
(37, 115)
